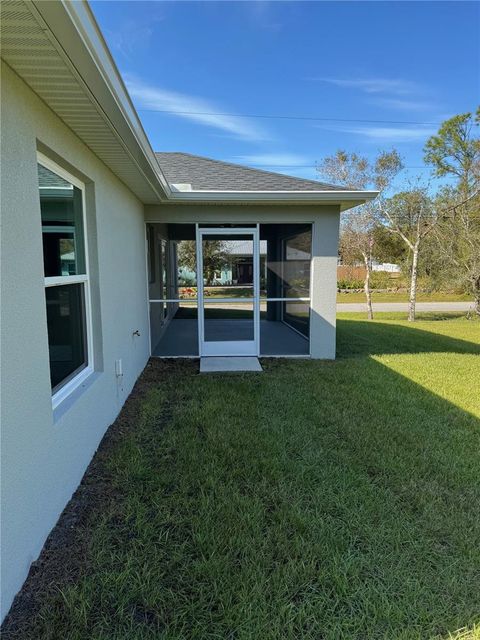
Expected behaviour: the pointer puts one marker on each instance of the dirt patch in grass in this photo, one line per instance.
(64, 556)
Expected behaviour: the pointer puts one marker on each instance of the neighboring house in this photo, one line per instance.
(91, 221)
(237, 269)
(388, 267)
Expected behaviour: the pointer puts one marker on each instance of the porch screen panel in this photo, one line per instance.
(229, 321)
(285, 299)
(228, 266)
(173, 292)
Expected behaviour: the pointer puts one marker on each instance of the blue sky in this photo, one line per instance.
(398, 62)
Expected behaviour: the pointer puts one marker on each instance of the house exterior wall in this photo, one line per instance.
(45, 452)
(324, 285)
(325, 220)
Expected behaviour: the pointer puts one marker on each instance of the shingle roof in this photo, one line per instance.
(244, 247)
(205, 174)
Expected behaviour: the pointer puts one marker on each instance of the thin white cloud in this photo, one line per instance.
(261, 14)
(403, 105)
(133, 35)
(129, 40)
(391, 93)
(391, 86)
(193, 108)
(274, 159)
(389, 134)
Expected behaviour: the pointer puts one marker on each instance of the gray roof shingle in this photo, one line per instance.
(205, 174)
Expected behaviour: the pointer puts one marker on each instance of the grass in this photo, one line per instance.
(242, 292)
(318, 500)
(232, 291)
(438, 296)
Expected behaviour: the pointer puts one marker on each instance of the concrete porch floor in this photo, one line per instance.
(276, 338)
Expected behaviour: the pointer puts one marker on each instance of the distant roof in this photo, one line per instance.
(244, 247)
(196, 173)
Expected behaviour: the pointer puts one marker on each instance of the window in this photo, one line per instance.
(67, 294)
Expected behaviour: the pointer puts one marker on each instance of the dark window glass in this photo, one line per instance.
(62, 225)
(66, 332)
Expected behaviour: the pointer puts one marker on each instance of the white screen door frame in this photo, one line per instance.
(230, 347)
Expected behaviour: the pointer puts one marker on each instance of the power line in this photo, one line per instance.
(279, 117)
(313, 166)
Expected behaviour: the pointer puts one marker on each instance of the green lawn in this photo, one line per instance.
(318, 500)
(438, 296)
(233, 291)
(242, 292)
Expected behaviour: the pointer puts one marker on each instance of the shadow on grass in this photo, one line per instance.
(363, 338)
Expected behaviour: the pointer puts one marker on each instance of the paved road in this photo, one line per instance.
(403, 306)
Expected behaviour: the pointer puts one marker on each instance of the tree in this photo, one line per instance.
(458, 241)
(455, 151)
(388, 247)
(214, 257)
(358, 226)
(411, 216)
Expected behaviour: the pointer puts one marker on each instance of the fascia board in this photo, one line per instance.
(344, 198)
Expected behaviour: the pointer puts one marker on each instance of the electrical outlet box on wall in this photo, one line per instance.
(118, 368)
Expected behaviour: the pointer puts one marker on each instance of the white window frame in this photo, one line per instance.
(77, 379)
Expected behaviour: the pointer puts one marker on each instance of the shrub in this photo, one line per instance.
(350, 283)
(380, 280)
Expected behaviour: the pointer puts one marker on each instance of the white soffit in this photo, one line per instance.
(31, 50)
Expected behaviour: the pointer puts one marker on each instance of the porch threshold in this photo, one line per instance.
(214, 364)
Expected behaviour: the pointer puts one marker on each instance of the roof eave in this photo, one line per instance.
(80, 42)
(345, 199)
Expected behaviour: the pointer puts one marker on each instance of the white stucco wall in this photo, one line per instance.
(44, 455)
(323, 315)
